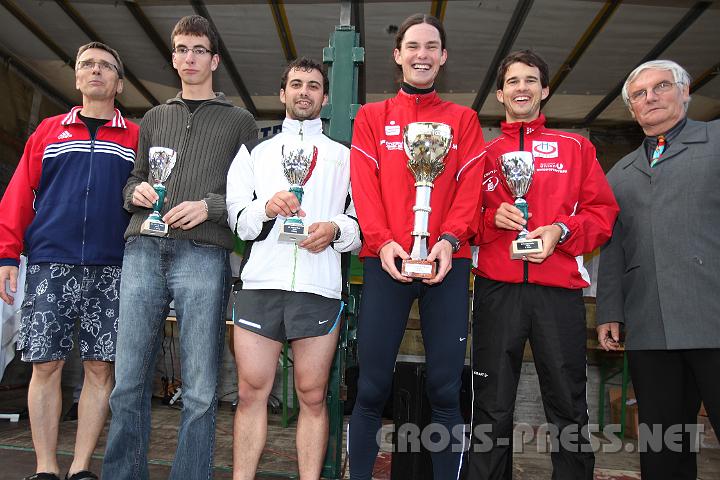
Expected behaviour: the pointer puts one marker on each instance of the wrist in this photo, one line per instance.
(268, 214)
(564, 232)
(452, 240)
(336, 231)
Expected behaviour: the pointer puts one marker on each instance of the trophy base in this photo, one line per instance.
(293, 232)
(156, 228)
(522, 247)
(418, 269)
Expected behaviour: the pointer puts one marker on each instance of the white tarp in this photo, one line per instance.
(10, 320)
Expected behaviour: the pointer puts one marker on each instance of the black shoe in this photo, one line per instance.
(82, 475)
(43, 476)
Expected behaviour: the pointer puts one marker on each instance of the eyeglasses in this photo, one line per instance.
(659, 89)
(103, 65)
(199, 51)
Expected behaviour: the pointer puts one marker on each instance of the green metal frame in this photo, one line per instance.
(288, 415)
(343, 55)
(608, 371)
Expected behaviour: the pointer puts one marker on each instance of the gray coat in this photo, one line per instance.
(660, 272)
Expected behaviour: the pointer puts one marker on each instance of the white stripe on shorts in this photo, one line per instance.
(245, 322)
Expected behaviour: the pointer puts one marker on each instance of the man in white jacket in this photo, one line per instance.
(290, 291)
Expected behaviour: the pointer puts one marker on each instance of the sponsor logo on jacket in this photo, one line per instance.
(544, 149)
(392, 145)
(556, 167)
(490, 183)
(392, 129)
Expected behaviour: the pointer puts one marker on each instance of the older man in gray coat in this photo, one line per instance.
(659, 274)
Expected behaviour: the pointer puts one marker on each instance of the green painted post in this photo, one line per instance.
(343, 56)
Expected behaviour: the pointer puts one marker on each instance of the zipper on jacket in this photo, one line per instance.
(295, 251)
(522, 148)
(87, 194)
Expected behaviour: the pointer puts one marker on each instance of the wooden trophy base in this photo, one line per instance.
(418, 269)
(293, 232)
(522, 247)
(156, 228)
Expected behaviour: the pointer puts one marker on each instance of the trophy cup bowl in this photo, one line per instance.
(161, 161)
(426, 145)
(517, 170)
(298, 162)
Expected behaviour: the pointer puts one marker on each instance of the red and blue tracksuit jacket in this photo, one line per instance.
(64, 202)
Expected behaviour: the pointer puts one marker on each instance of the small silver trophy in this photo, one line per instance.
(298, 162)
(161, 160)
(518, 169)
(426, 144)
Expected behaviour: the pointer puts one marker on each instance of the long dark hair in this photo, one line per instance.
(417, 19)
(412, 20)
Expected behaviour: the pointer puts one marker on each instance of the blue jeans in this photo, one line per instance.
(196, 276)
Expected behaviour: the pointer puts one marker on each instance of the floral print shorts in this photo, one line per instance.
(57, 297)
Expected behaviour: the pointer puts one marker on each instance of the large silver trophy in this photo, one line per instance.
(426, 144)
(298, 162)
(161, 160)
(518, 169)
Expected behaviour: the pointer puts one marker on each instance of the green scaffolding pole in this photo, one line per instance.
(343, 56)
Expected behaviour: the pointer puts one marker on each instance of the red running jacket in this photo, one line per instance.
(569, 186)
(383, 187)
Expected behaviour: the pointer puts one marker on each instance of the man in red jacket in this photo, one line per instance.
(63, 209)
(384, 194)
(538, 297)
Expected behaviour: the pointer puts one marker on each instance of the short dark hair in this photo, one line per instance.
(196, 26)
(306, 65)
(417, 19)
(528, 57)
(102, 46)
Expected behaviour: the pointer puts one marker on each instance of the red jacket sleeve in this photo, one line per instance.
(17, 202)
(364, 170)
(463, 219)
(592, 223)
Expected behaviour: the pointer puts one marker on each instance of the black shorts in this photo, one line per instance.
(282, 315)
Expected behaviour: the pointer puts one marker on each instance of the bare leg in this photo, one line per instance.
(44, 406)
(92, 411)
(256, 358)
(313, 358)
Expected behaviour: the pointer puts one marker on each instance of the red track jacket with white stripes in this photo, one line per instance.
(384, 188)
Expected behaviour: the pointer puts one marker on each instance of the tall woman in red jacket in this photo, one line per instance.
(384, 194)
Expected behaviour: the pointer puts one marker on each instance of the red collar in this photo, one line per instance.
(72, 117)
(513, 129)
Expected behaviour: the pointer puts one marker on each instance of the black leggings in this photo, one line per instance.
(384, 311)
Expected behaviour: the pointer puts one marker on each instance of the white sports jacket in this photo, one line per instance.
(255, 175)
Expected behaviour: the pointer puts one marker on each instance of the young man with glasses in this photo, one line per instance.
(204, 131)
(658, 275)
(63, 209)
(537, 298)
